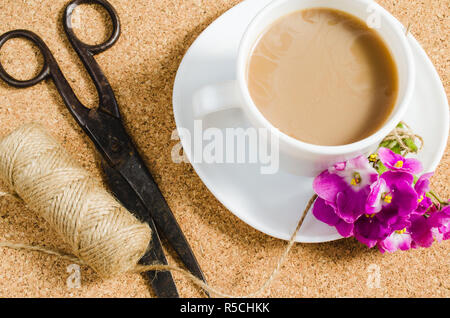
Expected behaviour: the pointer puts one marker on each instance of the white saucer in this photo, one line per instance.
(273, 203)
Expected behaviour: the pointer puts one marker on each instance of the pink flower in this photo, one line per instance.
(398, 240)
(441, 222)
(389, 205)
(345, 187)
(369, 230)
(397, 163)
(325, 212)
(356, 172)
(342, 192)
(422, 232)
(427, 229)
(422, 187)
(393, 195)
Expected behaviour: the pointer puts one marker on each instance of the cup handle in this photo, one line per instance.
(215, 97)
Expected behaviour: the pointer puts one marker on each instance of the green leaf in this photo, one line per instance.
(385, 143)
(410, 143)
(381, 168)
(397, 149)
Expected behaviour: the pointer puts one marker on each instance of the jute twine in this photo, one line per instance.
(400, 134)
(102, 233)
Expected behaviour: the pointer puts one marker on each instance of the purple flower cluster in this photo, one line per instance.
(389, 211)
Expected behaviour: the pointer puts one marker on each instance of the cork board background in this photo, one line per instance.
(141, 68)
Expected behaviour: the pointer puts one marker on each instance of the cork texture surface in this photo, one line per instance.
(141, 68)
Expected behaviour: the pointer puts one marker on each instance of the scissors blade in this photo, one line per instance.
(133, 169)
(162, 282)
(117, 148)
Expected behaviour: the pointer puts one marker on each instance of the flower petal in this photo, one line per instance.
(423, 184)
(391, 219)
(394, 177)
(328, 185)
(359, 167)
(325, 212)
(345, 229)
(424, 204)
(412, 165)
(396, 162)
(373, 203)
(421, 231)
(440, 224)
(395, 242)
(370, 230)
(350, 205)
(388, 157)
(405, 198)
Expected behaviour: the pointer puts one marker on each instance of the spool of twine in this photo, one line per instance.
(99, 230)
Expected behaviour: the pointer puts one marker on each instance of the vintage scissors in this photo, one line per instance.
(125, 171)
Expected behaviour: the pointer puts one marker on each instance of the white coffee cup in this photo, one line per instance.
(296, 156)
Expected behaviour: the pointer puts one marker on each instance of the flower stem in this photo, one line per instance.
(438, 199)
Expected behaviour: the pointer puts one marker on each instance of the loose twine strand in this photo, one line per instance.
(398, 134)
(260, 290)
(187, 274)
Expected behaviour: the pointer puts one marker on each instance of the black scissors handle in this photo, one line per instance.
(50, 69)
(48, 59)
(86, 52)
(102, 124)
